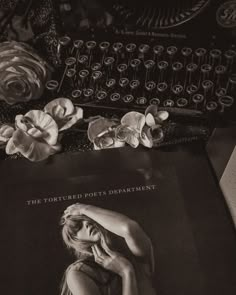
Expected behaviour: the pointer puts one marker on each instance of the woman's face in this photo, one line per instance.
(88, 232)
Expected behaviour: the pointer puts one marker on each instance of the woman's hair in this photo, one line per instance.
(71, 225)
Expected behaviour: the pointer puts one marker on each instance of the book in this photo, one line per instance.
(180, 237)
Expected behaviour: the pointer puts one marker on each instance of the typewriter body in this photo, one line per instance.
(179, 55)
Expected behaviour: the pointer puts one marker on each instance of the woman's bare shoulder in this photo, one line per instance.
(80, 283)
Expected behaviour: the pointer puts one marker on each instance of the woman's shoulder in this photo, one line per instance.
(89, 269)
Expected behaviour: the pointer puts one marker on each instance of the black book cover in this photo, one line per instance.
(156, 223)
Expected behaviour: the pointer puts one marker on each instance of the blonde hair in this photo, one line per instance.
(71, 225)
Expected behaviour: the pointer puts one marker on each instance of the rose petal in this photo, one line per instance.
(46, 123)
(135, 120)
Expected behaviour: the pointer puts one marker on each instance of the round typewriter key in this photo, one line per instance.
(83, 59)
(150, 85)
(91, 44)
(134, 63)
(141, 100)
(225, 101)
(83, 73)
(104, 45)
(215, 54)
(52, 85)
(134, 84)
(186, 51)
(96, 75)
(101, 95)
(96, 66)
(70, 73)
(155, 101)
(230, 54)
(191, 89)
(109, 60)
(192, 67)
(70, 61)
(117, 46)
(161, 87)
(220, 92)
(200, 52)
(88, 92)
(168, 103)
(123, 82)
(182, 102)
(198, 98)
(220, 69)
(115, 96)
(149, 64)
(206, 68)
(177, 89)
(162, 65)
(130, 47)
(78, 43)
(158, 49)
(128, 98)
(122, 68)
(207, 84)
(64, 40)
(211, 106)
(76, 93)
(171, 50)
(110, 83)
(144, 48)
(177, 66)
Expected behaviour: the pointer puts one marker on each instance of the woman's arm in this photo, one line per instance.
(118, 264)
(136, 239)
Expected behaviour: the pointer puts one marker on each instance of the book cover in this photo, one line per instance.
(144, 230)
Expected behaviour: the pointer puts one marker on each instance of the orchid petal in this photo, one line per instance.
(36, 133)
(99, 126)
(19, 122)
(65, 103)
(78, 114)
(134, 120)
(163, 115)
(32, 149)
(146, 137)
(10, 147)
(150, 120)
(46, 123)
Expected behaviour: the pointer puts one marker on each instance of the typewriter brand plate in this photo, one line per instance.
(160, 15)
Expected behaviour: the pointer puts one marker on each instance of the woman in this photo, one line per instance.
(114, 255)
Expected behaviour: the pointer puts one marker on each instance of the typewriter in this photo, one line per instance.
(179, 55)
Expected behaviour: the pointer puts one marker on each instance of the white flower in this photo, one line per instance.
(23, 73)
(63, 112)
(35, 137)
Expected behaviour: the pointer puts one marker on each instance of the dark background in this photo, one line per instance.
(186, 218)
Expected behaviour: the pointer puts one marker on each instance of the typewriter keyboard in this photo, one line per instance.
(123, 75)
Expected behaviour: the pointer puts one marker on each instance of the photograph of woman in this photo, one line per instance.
(114, 256)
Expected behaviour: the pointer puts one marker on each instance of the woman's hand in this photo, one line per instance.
(111, 260)
(75, 209)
